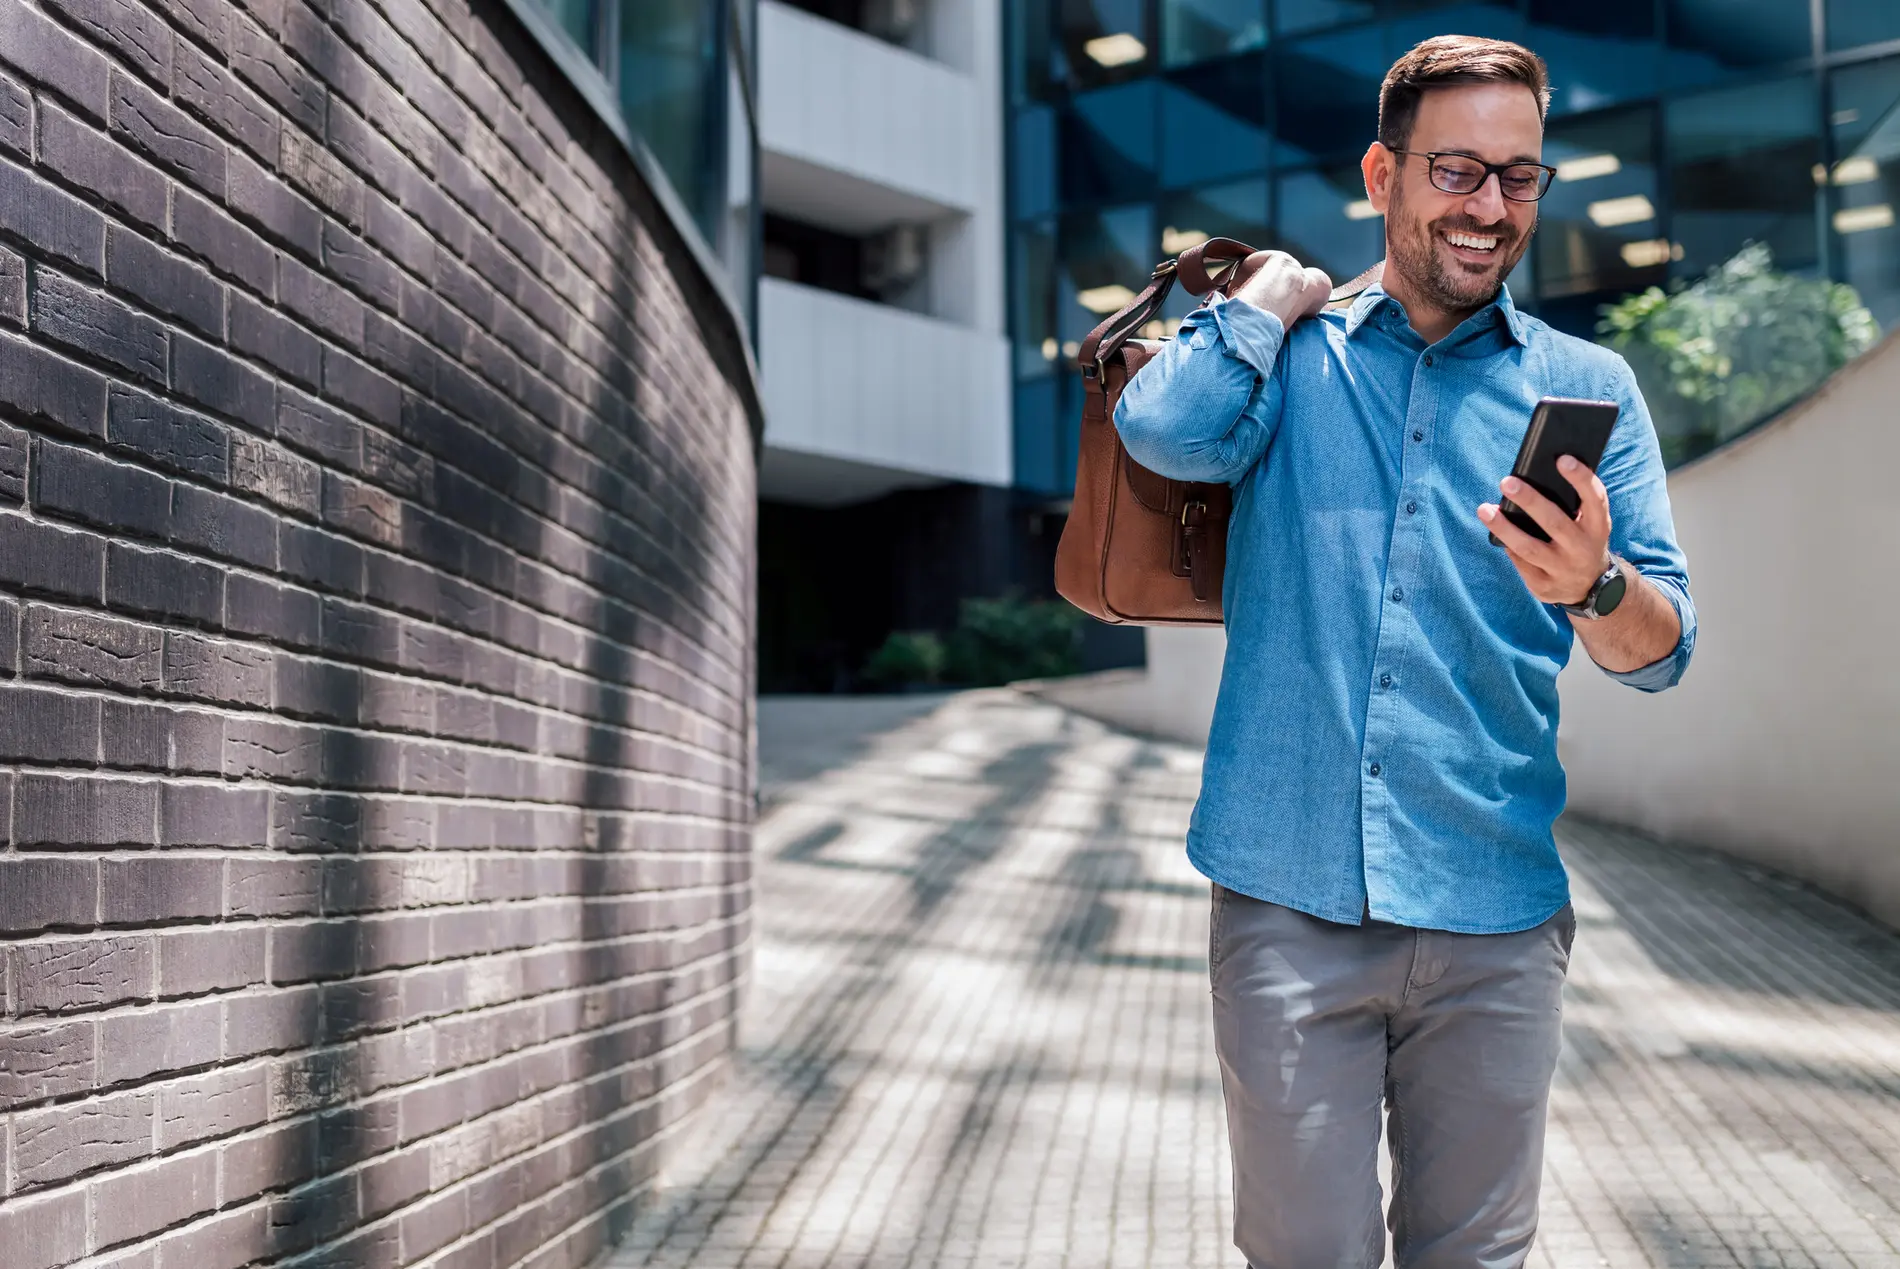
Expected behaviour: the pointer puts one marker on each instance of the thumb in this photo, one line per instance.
(1318, 288)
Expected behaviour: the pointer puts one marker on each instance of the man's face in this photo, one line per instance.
(1455, 250)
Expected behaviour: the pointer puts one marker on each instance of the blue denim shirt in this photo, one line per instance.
(1385, 739)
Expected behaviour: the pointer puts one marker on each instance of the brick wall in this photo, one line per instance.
(375, 641)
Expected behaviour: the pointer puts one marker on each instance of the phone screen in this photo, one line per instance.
(1558, 426)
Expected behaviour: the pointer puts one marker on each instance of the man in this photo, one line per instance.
(1391, 919)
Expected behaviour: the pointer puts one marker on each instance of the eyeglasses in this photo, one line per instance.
(1462, 174)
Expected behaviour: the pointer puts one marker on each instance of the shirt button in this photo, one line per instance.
(1428, 359)
(1418, 434)
(1398, 594)
(1411, 508)
(1374, 770)
(1385, 680)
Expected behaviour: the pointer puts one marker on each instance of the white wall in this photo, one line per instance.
(1782, 744)
(873, 384)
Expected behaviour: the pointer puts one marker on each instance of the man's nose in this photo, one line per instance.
(1487, 201)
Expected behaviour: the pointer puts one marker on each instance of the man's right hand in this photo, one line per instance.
(1276, 282)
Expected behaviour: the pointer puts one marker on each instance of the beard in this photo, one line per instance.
(1451, 284)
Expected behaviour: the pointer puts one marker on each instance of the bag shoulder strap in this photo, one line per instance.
(1344, 295)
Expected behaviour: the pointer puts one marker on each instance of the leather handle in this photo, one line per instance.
(1222, 254)
(1115, 329)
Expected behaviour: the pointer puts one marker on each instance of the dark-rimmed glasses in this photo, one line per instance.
(1462, 174)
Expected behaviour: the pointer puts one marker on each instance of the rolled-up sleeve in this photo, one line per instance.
(1205, 408)
(1642, 529)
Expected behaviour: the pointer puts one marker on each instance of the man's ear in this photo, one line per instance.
(1380, 168)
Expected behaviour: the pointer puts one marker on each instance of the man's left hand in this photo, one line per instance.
(1562, 570)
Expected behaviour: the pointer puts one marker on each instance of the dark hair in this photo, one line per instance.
(1447, 61)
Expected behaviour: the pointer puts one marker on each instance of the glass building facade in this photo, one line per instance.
(675, 77)
(1742, 157)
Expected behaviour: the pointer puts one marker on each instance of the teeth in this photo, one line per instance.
(1471, 240)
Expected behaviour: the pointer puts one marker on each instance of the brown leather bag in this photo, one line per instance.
(1138, 548)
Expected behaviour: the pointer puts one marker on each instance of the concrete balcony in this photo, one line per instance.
(858, 135)
(863, 399)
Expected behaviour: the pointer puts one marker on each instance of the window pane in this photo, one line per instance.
(1711, 40)
(1866, 180)
(1597, 228)
(1038, 437)
(580, 19)
(1105, 41)
(1032, 49)
(1106, 258)
(1325, 221)
(1851, 23)
(1198, 30)
(1033, 161)
(1326, 94)
(1213, 121)
(1599, 53)
(1741, 167)
(1108, 145)
(672, 89)
(1292, 17)
(1033, 300)
(1495, 19)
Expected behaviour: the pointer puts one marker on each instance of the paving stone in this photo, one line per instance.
(978, 1032)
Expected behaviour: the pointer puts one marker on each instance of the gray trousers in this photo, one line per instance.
(1317, 1024)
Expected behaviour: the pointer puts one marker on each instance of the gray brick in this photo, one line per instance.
(193, 962)
(66, 1141)
(268, 67)
(12, 288)
(205, 20)
(362, 510)
(39, 894)
(275, 474)
(160, 432)
(98, 326)
(40, 387)
(273, 887)
(216, 670)
(84, 647)
(318, 429)
(280, 213)
(43, 1232)
(169, 1038)
(9, 637)
(315, 822)
(322, 690)
(43, 557)
(167, 135)
(140, 37)
(256, 607)
(234, 251)
(165, 282)
(216, 1104)
(320, 302)
(89, 973)
(159, 737)
(192, 814)
(16, 118)
(307, 165)
(38, 1062)
(45, 725)
(326, 560)
(310, 950)
(273, 1159)
(214, 95)
(164, 584)
(275, 1021)
(161, 888)
(223, 526)
(373, 395)
(133, 1204)
(222, 383)
(270, 337)
(44, 53)
(88, 158)
(229, 1241)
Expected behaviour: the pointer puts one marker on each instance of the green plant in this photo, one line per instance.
(1002, 640)
(906, 657)
(1719, 356)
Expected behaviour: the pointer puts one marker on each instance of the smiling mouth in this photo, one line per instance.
(1480, 244)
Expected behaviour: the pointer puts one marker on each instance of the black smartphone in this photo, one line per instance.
(1559, 426)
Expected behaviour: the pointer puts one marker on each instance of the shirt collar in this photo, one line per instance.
(1500, 310)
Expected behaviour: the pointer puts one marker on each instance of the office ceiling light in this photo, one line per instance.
(1119, 49)
(1650, 252)
(1104, 299)
(1589, 166)
(1856, 171)
(1629, 210)
(1361, 209)
(1049, 348)
(1071, 350)
(1854, 220)
(1175, 241)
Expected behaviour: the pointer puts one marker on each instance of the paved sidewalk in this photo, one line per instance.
(978, 1032)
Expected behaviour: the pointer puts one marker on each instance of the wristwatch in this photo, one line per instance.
(1606, 594)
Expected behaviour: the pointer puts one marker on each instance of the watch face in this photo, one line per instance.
(1612, 593)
